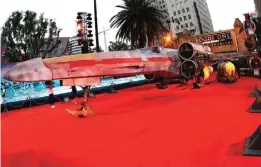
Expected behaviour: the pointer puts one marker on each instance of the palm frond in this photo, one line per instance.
(137, 18)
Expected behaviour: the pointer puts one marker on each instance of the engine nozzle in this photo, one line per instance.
(189, 69)
(189, 50)
(255, 63)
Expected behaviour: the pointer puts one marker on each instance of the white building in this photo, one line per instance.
(258, 7)
(187, 15)
(163, 6)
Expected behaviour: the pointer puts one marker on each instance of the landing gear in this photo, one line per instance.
(88, 92)
(91, 94)
(184, 81)
(198, 82)
(150, 77)
(86, 109)
(111, 90)
(162, 85)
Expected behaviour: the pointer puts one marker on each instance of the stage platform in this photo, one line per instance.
(139, 126)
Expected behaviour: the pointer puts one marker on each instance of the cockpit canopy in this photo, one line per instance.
(154, 49)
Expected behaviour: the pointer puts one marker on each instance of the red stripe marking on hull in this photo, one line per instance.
(160, 59)
(83, 63)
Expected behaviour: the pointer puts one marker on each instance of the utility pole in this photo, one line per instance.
(96, 27)
(105, 39)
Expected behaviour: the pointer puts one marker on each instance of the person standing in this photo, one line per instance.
(3, 92)
(51, 94)
(86, 89)
(74, 92)
(237, 65)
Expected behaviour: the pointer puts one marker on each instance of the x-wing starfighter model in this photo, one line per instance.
(88, 69)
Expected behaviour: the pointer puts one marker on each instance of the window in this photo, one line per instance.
(186, 24)
(179, 12)
(191, 24)
(163, 6)
(177, 27)
(159, 2)
(182, 26)
(187, 9)
(189, 16)
(183, 10)
(175, 13)
(165, 11)
(180, 19)
(185, 18)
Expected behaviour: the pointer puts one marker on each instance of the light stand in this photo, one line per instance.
(96, 27)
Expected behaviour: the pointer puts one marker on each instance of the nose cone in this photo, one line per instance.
(8, 76)
(29, 71)
(15, 73)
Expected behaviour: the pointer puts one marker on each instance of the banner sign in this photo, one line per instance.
(217, 39)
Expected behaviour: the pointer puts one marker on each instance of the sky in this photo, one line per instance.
(223, 13)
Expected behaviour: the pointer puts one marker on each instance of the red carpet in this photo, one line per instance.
(140, 126)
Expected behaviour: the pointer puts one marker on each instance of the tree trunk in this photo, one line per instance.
(142, 41)
(132, 41)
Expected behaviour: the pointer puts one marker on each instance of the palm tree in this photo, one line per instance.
(118, 46)
(136, 20)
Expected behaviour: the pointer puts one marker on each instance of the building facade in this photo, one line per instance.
(61, 49)
(163, 6)
(258, 7)
(187, 16)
